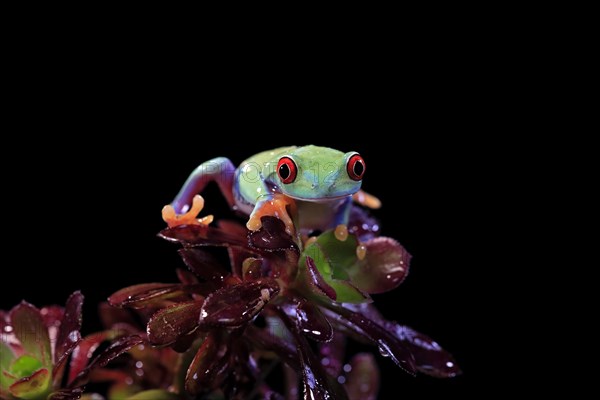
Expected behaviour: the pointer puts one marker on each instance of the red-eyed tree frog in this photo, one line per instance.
(316, 182)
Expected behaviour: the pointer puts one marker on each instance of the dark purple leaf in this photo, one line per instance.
(313, 323)
(332, 354)
(317, 282)
(266, 340)
(201, 235)
(68, 333)
(30, 329)
(237, 255)
(242, 379)
(429, 356)
(237, 305)
(362, 381)
(186, 277)
(59, 366)
(171, 323)
(203, 264)
(84, 352)
(149, 294)
(388, 344)
(233, 228)
(384, 267)
(317, 385)
(183, 343)
(67, 394)
(363, 225)
(272, 236)
(118, 347)
(209, 367)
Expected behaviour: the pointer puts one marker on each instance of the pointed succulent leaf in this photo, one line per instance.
(389, 345)
(83, 353)
(430, 357)
(237, 305)
(169, 324)
(32, 387)
(316, 383)
(147, 294)
(117, 348)
(201, 235)
(272, 237)
(313, 323)
(316, 281)
(30, 329)
(203, 264)
(209, 367)
(67, 394)
(68, 332)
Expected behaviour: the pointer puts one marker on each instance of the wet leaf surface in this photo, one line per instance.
(209, 367)
(68, 332)
(237, 305)
(313, 323)
(171, 323)
(117, 348)
(203, 264)
(430, 357)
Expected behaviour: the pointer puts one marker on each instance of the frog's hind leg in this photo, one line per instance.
(220, 170)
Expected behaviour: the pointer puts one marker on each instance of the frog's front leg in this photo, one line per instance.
(274, 205)
(185, 206)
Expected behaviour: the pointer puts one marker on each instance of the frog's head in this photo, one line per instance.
(319, 173)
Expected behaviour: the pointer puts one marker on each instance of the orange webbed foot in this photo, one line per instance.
(189, 218)
(275, 206)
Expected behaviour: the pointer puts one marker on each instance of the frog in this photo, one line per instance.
(317, 184)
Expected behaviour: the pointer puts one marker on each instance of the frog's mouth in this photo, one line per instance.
(319, 199)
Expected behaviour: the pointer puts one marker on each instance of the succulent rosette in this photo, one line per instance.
(39, 357)
(280, 301)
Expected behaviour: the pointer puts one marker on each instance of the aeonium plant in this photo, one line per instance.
(40, 352)
(281, 302)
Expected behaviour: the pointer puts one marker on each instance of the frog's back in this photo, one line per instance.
(250, 177)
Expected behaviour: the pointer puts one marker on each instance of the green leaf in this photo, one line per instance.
(340, 255)
(33, 387)
(154, 395)
(25, 366)
(347, 293)
(333, 259)
(6, 358)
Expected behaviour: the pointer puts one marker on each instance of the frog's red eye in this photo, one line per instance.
(356, 167)
(287, 170)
